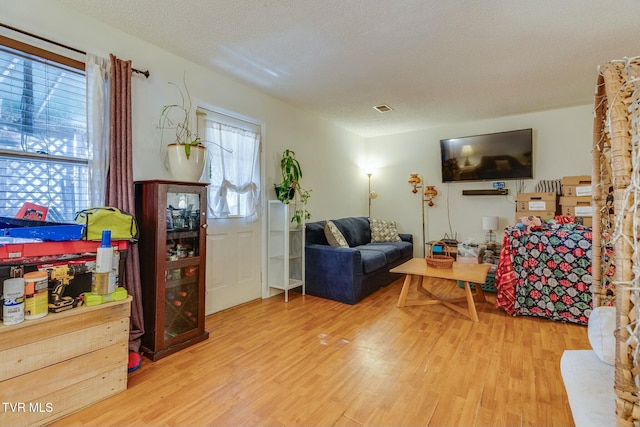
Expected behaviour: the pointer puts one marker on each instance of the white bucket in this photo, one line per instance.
(13, 305)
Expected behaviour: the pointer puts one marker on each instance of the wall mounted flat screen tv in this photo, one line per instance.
(489, 157)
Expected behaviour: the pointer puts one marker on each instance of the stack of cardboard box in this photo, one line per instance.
(576, 198)
(543, 205)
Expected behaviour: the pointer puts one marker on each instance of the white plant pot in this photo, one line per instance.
(183, 168)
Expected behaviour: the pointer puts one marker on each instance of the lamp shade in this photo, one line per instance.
(431, 191)
(490, 223)
(414, 179)
(466, 151)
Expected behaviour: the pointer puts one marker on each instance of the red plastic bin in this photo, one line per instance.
(25, 252)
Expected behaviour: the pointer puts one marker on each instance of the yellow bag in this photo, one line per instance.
(123, 226)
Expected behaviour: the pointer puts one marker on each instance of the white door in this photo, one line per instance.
(233, 263)
(234, 232)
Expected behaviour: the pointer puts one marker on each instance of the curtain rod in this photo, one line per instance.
(144, 73)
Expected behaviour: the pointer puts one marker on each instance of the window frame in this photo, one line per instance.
(45, 55)
(42, 53)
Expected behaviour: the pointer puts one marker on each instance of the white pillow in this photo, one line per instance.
(601, 327)
(334, 235)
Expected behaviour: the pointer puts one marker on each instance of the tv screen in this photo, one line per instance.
(494, 156)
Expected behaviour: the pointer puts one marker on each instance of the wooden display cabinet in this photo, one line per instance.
(172, 221)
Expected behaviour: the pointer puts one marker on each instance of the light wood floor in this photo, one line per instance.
(315, 362)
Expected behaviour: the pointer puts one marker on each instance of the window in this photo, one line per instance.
(233, 165)
(44, 153)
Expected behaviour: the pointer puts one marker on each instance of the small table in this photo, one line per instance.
(467, 273)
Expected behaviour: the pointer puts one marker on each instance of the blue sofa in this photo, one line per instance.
(350, 274)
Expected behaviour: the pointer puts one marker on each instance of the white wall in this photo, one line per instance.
(332, 158)
(328, 154)
(562, 146)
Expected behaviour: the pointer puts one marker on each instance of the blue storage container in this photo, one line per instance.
(42, 230)
(488, 286)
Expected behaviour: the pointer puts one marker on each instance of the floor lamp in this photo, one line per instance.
(427, 197)
(372, 194)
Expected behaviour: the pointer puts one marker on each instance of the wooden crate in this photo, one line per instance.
(63, 362)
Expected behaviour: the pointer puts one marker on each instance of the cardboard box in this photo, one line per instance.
(68, 280)
(587, 221)
(573, 186)
(543, 202)
(542, 214)
(576, 206)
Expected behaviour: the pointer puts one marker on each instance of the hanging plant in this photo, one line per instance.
(178, 117)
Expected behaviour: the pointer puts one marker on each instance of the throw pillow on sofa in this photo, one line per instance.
(334, 236)
(383, 231)
(600, 329)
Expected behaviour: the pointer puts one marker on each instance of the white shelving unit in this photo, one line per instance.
(285, 268)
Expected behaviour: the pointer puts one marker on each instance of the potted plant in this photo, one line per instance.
(298, 214)
(291, 174)
(185, 153)
(290, 189)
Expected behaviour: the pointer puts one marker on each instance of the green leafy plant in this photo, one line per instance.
(290, 189)
(298, 214)
(178, 116)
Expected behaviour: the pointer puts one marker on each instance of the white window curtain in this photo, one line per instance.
(98, 71)
(233, 157)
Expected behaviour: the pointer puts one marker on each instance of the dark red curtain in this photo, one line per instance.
(120, 185)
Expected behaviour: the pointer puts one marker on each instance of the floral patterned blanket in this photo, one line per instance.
(546, 272)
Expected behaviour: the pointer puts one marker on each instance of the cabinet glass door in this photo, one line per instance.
(182, 264)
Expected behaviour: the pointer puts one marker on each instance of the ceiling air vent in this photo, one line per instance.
(382, 108)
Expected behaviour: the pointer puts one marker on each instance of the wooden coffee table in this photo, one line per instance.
(467, 273)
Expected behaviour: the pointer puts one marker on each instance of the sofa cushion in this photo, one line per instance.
(600, 329)
(372, 260)
(355, 230)
(405, 248)
(314, 233)
(334, 236)
(383, 231)
(390, 252)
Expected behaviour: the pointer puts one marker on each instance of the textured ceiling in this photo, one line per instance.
(434, 62)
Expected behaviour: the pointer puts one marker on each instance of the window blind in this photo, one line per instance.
(44, 154)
